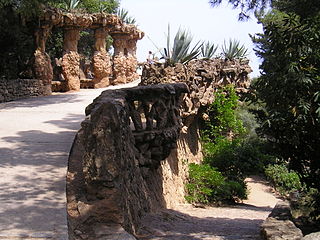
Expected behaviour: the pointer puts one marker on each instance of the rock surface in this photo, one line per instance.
(312, 236)
(122, 68)
(132, 154)
(120, 179)
(21, 88)
(278, 226)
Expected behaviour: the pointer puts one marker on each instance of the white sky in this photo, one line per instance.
(197, 16)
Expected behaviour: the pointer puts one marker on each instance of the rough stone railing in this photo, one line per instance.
(203, 77)
(132, 154)
(22, 88)
(113, 175)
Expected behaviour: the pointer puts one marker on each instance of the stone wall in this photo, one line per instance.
(202, 77)
(114, 175)
(22, 88)
(131, 155)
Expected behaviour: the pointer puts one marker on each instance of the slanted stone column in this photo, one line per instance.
(119, 59)
(71, 59)
(42, 67)
(132, 62)
(102, 66)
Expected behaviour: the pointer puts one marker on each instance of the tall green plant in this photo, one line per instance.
(291, 72)
(223, 121)
(233, 50)
(180, 51)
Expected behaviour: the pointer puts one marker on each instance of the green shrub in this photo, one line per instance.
(223, 121)
(230, 143)
(285, 181)
(237, 158)
(307, 204)
(207, 185)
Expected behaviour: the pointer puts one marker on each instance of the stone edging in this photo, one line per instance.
(278, 226)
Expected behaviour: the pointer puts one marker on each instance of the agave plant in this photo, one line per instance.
(208, 50)
(123, 15)
(233, 50)
(72, 4)
(180, 51)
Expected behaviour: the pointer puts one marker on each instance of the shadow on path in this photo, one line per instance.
(175, 225)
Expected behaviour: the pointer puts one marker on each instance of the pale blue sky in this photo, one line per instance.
(204, 22)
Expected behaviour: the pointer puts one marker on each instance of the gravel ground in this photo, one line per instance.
(239, 222)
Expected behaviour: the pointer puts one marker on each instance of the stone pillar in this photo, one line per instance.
(132, 62)
(124, 61)
(71, 59)
(102, 67)
(119, 60)
(42, 67)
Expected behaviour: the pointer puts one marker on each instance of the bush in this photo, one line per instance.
(237, 158)
(223, 121)
(285, 181)
(207, 185)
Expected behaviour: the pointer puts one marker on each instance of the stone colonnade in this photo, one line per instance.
(121, 68)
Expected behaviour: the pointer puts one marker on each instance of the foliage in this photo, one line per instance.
(16, 43)
(289, 87)
(180, 51)
(208, 50)
(206, 185)
(306, 207)
(290, 47)
(285, 181)
(233, 50)
(222, 120)
(89, 6)
(238, 158)
(246, 6)
(72, 4)
(123, 15)
(234, 150)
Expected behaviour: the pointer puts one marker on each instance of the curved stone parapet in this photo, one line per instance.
(113, 172)
(203, 77)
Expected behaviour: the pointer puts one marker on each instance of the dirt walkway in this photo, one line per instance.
(36, 135)
(240, 222)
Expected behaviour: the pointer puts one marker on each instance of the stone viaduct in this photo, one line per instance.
(120, 68)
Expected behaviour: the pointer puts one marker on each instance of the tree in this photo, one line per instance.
(289, 87)
(245, 6)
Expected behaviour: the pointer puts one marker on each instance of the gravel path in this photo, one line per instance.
(239, 222)
(36, 135)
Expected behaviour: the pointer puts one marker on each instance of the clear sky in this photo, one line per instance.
(197, 16)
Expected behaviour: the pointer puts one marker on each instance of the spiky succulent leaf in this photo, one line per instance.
(234, 50)
(208, 50)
